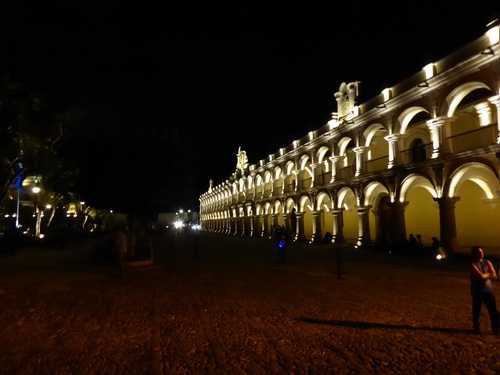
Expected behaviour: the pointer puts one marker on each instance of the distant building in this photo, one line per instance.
(422, 157)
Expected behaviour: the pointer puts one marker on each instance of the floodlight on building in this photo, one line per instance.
(295, 144)
(311, 135)
(429, 70)
(387, 94)
(494, 32)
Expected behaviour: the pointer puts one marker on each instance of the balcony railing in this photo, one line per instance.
(324, 178)
(290, 187)
(306, 183)
(484, 136)
(414, 155)
(377, 164)
(347, 172)
(268, 193)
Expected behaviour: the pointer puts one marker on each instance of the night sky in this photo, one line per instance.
(255, 78)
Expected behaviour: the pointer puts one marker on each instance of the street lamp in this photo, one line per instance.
(36, 190)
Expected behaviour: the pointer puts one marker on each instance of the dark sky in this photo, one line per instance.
(255, 78)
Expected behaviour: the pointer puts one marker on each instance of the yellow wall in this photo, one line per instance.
(351, 220)
(477, 222)
(326, 222)
(422, 215)
(379, 146)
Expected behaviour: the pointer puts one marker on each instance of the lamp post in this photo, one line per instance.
(36, 190)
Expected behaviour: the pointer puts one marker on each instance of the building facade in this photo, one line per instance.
(422, 158)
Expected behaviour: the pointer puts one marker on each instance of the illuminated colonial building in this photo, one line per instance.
(422, 157)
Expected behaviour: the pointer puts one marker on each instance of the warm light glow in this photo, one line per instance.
(36, 190)
(438, 257)
(281, 151)
(494, 34)
(49, 206)
(178, 224)
(429, 70)
(333, 123)
(311, 135)
(387, 94)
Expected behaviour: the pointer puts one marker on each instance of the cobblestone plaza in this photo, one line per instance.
(232, 308)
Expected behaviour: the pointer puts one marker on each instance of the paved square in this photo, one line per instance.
(236, 309)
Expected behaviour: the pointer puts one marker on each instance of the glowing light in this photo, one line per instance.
(439, 257)
(41, 235)
(333, 123)
(36, 190)
(494, 34)
(49, 206)
(295, 144)
(7, 215)
(387, 94)
(311, 135)
(429, 70)
(178, 224)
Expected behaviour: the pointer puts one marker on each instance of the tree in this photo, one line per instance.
(31, 130)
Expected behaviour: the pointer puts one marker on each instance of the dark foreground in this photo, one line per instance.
(237, 310)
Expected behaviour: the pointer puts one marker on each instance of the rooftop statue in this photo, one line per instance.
(241, 160)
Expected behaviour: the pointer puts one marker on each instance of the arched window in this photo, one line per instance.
(418, 151)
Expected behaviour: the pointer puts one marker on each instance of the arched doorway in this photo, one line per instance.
(386, 221)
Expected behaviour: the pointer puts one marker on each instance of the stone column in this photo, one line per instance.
(338, 226)
(360, 160)
(286, 221)
(263, 222)
(252, 225)
(242, 225)
(395, 148)
(296, 172)
(237, 225)
(300, 235)
(496, 102)
(440, 131)
(335, 166)
(484, 113)
(398, 221)
(447, 223)
(314, 168)
(364, 226)
(317, 236)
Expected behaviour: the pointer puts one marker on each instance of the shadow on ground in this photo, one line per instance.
(367, 325)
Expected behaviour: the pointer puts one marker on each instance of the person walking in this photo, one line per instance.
(481, 273)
